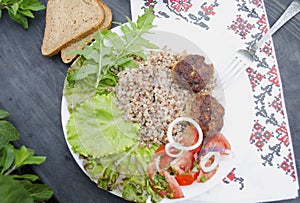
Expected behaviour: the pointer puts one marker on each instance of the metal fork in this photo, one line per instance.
(243, 57)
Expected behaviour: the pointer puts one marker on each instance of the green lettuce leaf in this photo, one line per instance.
(96, 128)
(126, 170)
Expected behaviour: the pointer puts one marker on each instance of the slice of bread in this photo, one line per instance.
(79, 44)
(68, 20)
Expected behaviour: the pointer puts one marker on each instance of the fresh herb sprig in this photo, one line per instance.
(21, 10)
(111, 52)
(15, 187)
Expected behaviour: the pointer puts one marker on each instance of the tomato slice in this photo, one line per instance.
(187, 178)
(160, 149)
(218, 141)
(190, 136)
(174, 187)
(205, 176)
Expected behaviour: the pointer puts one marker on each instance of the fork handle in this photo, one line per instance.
(290, 12)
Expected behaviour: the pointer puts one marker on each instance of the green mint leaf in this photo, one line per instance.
(24, 156)
(13, 191)
(33, 5)
(3, 114)
(14, 8)
(39, 192)
(20, 10)
(30, 177)
(8, 133)
(26, 13)
(7, 158)
(19, 18)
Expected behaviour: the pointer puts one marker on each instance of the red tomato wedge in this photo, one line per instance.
(205, 176)
(184, 163)
(218, 141)
(190, 138)
(175, 190)
(187, 179)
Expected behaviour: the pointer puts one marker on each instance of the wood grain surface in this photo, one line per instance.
(31, 89)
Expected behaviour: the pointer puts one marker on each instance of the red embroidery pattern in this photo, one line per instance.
(241, 27)
(270, 135)
(208, 10)
(255, 77)
(260, 136)
(257, 3)
(262, 24)
(180, 5)
(149, 4)
(273, 76)
(288, 167)
(232, 178)
(277, 104)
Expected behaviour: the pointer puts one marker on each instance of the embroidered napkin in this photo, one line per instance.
(266, 170)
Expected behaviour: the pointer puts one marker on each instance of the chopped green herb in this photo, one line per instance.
(203, 179)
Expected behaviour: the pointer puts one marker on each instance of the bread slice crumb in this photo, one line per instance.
(69, 20)
(79, 44)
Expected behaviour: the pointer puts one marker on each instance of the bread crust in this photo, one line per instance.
(80, 43)
(69, 20)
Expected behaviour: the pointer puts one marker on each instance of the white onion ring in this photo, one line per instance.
(214, 164)
(177, 144)
(157, 161)
(167, 150)
(226, 152)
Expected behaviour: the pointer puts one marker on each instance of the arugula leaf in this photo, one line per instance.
(98, 120)
(109, 54)
(20, 10)
(8, 133)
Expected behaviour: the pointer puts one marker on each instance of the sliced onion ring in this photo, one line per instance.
(224, 151)
(157, 161)
(177, 144)
(213, 165)
(170, 154)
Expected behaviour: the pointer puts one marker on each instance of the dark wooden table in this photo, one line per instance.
(31, 90)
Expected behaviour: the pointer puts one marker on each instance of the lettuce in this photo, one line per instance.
(126, 170)
(96, 128)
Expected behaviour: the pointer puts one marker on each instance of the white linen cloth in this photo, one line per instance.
(265, 167)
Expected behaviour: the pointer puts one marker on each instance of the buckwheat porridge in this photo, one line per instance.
(152, 95)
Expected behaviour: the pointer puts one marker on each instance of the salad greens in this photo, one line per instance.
(110, 53)
(124, 170)
(98, 121)
(96, 129)
(20, 10)
(16, 187)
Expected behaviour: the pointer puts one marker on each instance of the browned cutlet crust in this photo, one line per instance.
(209, 113)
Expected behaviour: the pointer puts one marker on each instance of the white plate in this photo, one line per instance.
(179, 37)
